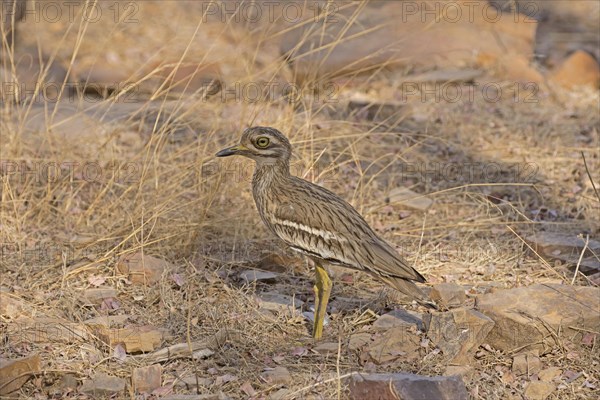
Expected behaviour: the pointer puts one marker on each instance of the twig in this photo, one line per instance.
(186, 349)
(587, 241)
(590, 175)
(326, 381)
(576, 328)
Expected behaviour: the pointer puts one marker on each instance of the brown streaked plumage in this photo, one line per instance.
(316, 222)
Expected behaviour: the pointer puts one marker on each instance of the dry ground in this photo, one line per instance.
(497, 172)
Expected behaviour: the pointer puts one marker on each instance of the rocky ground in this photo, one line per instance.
(134, 264)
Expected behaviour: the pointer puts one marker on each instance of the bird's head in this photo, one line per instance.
(262, 144)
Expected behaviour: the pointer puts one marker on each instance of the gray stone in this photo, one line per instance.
(256, 275)
(551, 243)
(102, 384)
(327, 348)
(276, 375)
(398, 318)
(406, 387)
(568, 248)
(277, 302)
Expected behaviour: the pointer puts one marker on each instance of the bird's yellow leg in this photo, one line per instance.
(322, 292)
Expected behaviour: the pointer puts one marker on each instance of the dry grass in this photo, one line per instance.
(161, 192)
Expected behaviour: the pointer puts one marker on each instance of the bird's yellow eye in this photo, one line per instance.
(262, 142)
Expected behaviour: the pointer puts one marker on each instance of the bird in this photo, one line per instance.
(318, 223)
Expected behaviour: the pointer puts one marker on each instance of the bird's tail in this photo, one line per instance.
(408, 288)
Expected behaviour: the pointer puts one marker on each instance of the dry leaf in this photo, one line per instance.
(119, 352)
(588, 339)
(223, 379)
(178, 279)
(110, 303)
(299, 351)
(248, 389)
(96, 280)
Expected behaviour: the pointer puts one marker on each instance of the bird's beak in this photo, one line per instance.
(230, 151)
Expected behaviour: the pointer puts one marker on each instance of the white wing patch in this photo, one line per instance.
(326, 235)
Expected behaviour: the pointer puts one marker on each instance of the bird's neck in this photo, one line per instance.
(267, 173)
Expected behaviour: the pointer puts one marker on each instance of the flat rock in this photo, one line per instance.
(526, 364)
(550, 242)
(12, 306)
(537, 390)
(277, 375)
(395, 343)
(549, 374)
(68, 381)
(327, 348)
(14, 373)
(97, 295)
(102, 384)
(359, 340)
(277, 302)
(568, 248)
(448, 294)
(406, 387)
(397, 318)
(281, 394)
(255, 275)
(142, 269)
(202, 354)
(458, 333)
(527, 318)
(146, 379)
(587, 265)
(135, 339)
(410, 199)
(372, 38)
